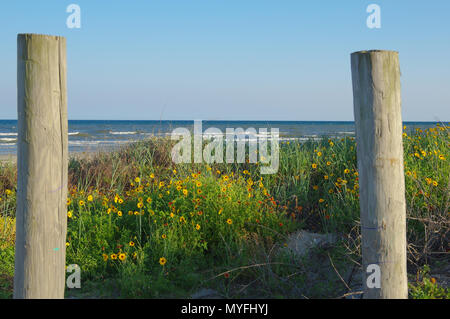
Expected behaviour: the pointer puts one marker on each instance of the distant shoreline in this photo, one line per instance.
(12, 158)
(91, 136)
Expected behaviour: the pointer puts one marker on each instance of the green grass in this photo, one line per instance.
(425, 287)
(141, 226)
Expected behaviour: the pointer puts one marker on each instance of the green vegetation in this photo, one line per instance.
(141, 226)
(425, 286)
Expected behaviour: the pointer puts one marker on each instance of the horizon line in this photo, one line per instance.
(229, 120)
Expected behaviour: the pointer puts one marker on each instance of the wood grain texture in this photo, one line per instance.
(377, 110)
(42, 162)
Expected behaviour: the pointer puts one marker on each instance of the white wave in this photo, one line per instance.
(8, 139)
(122, 133)
(74, 133)
(8, 134)
(350, 133)
(87, 143)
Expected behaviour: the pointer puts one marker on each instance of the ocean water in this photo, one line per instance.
(92, 135)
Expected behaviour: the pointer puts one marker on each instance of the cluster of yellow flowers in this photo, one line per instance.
(121, 256)
(192, 184)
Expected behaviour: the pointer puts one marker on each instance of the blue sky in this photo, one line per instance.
(233, 59)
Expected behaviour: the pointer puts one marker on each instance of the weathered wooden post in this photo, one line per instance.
(42, 161)
(377, 108)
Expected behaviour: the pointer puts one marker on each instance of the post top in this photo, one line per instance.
(36, 35)
(375, 51)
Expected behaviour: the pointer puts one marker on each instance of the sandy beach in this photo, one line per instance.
(12, 158)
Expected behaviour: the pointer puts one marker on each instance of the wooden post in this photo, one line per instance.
(378, 121)
(42, 162)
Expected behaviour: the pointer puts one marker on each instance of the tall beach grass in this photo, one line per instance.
(155, 229)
